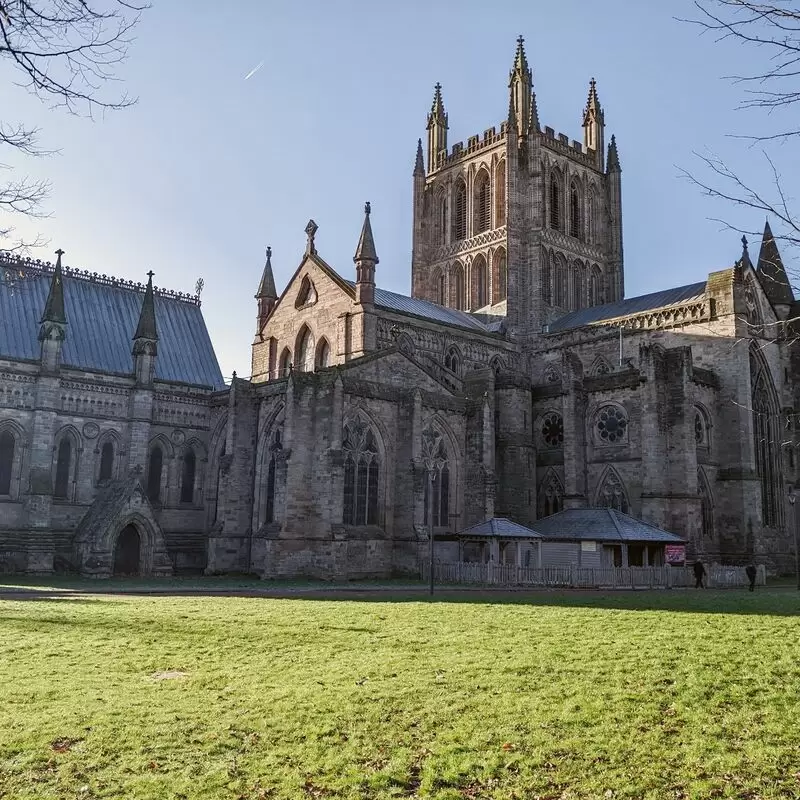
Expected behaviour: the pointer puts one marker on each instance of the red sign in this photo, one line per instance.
(675, 553)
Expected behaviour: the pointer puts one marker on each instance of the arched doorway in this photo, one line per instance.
(127, 552)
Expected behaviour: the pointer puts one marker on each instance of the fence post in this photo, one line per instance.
(572, 576)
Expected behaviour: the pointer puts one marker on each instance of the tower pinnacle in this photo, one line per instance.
(419, 166)
(594, 125)
(522, 105)
(266, 289)
(437, 128)
(146, 328)
(54, 307)
(365, 259)
(771, 271)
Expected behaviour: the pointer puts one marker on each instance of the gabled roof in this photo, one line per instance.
(597, 315)
(602, 524)
(102, 314)
(500, 527)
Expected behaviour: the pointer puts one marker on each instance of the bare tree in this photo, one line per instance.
(66, 52)
(770, 33)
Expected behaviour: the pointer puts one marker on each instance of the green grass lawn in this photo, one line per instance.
(637, 695)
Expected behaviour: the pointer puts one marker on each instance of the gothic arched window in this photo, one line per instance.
(594, 286)
(452, 360)
(479, 282)
(154, 467)
(361, 474)
(305, 350)
(767, 441)
(611, 425)
(611, 493)
(575, 227)
(457, 286)
(285, 364)
(701, 428)
(274, 453)
(706, 505)
(441, 218)
(460, 211)
(551, 495)
(547, 277)
(323, 354)
(500, 195)
(600, 367)
(106, 462)
(437, 512)
(63, 469)
(560, 281)
(307, 295)
(555, 204)
(189, 467)
(499, 276)
(7, 446)
(577, 286)
(441, 296)
(483, 203)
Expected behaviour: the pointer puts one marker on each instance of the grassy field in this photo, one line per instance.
(627, 695)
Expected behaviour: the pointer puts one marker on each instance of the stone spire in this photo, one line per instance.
(594, 124)
(266, 296)
(437, 128)
(145, 340)
(612, 163)
(522, 112)
(771, 271)
(365, 260)
(419, 165)
(53, 324)
(54, 307)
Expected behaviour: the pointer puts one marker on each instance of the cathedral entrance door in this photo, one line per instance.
(126, 553)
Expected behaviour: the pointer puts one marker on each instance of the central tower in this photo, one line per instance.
(522, 223)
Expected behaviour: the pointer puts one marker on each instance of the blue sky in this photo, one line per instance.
(208, 169)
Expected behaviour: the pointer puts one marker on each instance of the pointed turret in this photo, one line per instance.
(365, 260)
(616, 272)
(52, 327)
(772, 273)
(437, 128)
(419, 165)
(594, 125)
(612, 163)
(145, 340)
(521, 100)
(266, 295)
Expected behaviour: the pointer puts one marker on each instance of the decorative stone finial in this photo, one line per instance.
(744, 244)
(367, 208)
(311, 232)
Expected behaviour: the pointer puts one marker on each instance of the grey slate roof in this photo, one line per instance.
(623, 308)
(602, 524)
(501, 527)
(102, 315)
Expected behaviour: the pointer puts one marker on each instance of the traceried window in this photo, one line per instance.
(361, 474)
(323, 354)
(500, 195)
(547, 277)
(555, 204)
(551, 495)
(305, 351)
(479, 282)
(701, 428)
(441, 218)
(285, 366)
(553, 431)
(601, 367)
(499, 276)
(575, 227)
(612, 425)
(63, 469)
(551, 374)
(767, 440)
(594, 286)
(275, 449)
(612, 493)
(155, 464)
(7, 447)
(106, 463)
(560, 299)
(435, 456)
(460, 211)
(452, 360)
(577, 286)
(483, 203)
(457, 287)
(188, 470)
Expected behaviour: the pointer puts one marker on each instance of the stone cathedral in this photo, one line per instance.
(517, 380)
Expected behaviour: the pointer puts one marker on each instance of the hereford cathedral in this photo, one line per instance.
(517, 380)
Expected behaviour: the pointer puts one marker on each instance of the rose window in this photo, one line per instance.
(553, 430)
(611, 424)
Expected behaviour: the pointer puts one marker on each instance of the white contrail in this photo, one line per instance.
(253, 71)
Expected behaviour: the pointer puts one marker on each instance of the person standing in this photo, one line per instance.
(751, 573)
(699, 574)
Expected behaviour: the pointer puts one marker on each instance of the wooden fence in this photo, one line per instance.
(666, 577)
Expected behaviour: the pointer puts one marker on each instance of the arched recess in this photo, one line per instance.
(437, 284)
(452, 359)
(496, 365)
(702, 428)
(480, 282)
(766, 439)
(12, 452)
(595, 286)
(611, 492)
(439, 443)
(551, 494)
(270, 478)
(578, 285)
(149, 541)
(108, 455)
(160, 455)
(600, 366)
(500, 194)
(304, 349)
(322, 357)
(66, 462)
(192, 466)
(575, 210)
(459, 210)
(285, 363)
(365, 469)
(555, 201)
(499, 275)
(307, 295)
(592, 216)
(560, 282)
(706, 504)
(548, 266)
(482, 202)
(458, 294)
(441, 216)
